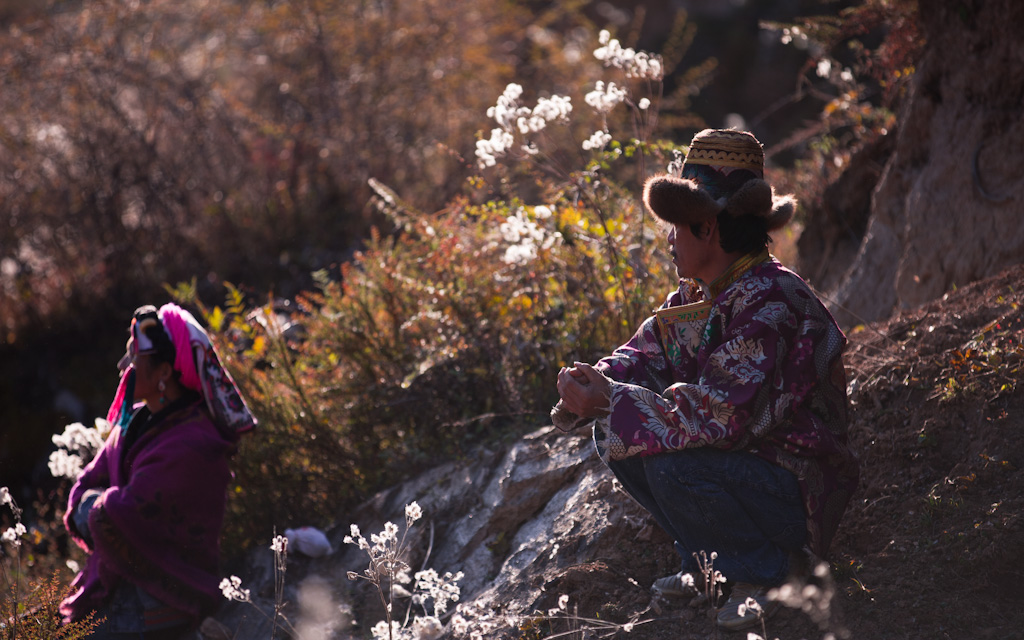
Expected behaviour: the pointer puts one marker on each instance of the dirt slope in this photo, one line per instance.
(933, 544)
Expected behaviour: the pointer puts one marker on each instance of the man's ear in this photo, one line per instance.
(707, 229)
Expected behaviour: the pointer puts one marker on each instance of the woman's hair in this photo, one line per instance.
(162, 343)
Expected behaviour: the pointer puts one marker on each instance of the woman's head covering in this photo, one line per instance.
(723, 171)
(173, 334)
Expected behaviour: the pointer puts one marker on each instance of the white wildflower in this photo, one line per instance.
(64, 465)
(513, 117)
(103, 427)
(459, 625)
(644, 104)
(279, 545)
(751, 605)
(380, 631)
(645, 65)
(636, 64)
(441, 590)
(427, 628)
(542, 212)
(488, 151)
(846, 75)
(555, 108)
(232, 589)
(508, 109)
(413, 512)
(13, 534)
(77, 446)
(525, 238)
(77, 437)
(518, 226)
(795, 36)
(531, 124)
(605, 97)
(5, 496)
(356, 538)
(597, 141)
(824, 69)
(520, 254)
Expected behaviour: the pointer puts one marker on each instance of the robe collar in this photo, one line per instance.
(733, 273)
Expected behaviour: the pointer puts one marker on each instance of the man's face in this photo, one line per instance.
(689, 253)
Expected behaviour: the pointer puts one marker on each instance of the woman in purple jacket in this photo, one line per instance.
(725, 414)
(150, 505)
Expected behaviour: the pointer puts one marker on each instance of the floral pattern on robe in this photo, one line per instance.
(766, 377)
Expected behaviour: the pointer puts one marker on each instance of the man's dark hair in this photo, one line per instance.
(743, 234)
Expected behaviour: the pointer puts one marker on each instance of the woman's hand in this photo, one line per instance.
(584, 390)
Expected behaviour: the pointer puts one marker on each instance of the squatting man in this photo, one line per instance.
(725, 415)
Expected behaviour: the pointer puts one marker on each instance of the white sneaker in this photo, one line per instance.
(747, 605)
(677, 585)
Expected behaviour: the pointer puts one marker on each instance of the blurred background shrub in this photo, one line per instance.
(446, 330)
(394, 302)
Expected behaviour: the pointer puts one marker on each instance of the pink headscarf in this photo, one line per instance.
(200, 370)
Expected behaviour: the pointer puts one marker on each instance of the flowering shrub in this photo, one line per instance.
(389, 570)
(231, 588)
(246, 150)
(451, 327)
(76, 447)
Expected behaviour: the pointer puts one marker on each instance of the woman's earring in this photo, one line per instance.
(162, 387)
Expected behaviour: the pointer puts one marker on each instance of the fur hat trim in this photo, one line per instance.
(683, 202)
(679, 201)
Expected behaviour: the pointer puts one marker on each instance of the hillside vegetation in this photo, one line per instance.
(439, 250)
(545, 543)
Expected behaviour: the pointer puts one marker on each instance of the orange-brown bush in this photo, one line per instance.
(30, 601)
(858, 67)
(153, 142)
(449, 327)
(431, 341)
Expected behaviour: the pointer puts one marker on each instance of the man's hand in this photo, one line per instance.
(584, 390)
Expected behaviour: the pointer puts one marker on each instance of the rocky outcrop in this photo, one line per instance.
(946, 210)
(525, 525)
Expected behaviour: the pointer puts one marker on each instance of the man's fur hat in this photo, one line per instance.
(723, 171)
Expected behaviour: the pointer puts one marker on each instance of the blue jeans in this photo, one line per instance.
(743, 507)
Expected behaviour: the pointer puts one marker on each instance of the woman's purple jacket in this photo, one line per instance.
(158, 521)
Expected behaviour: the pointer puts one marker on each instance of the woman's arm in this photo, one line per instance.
(93, 480)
